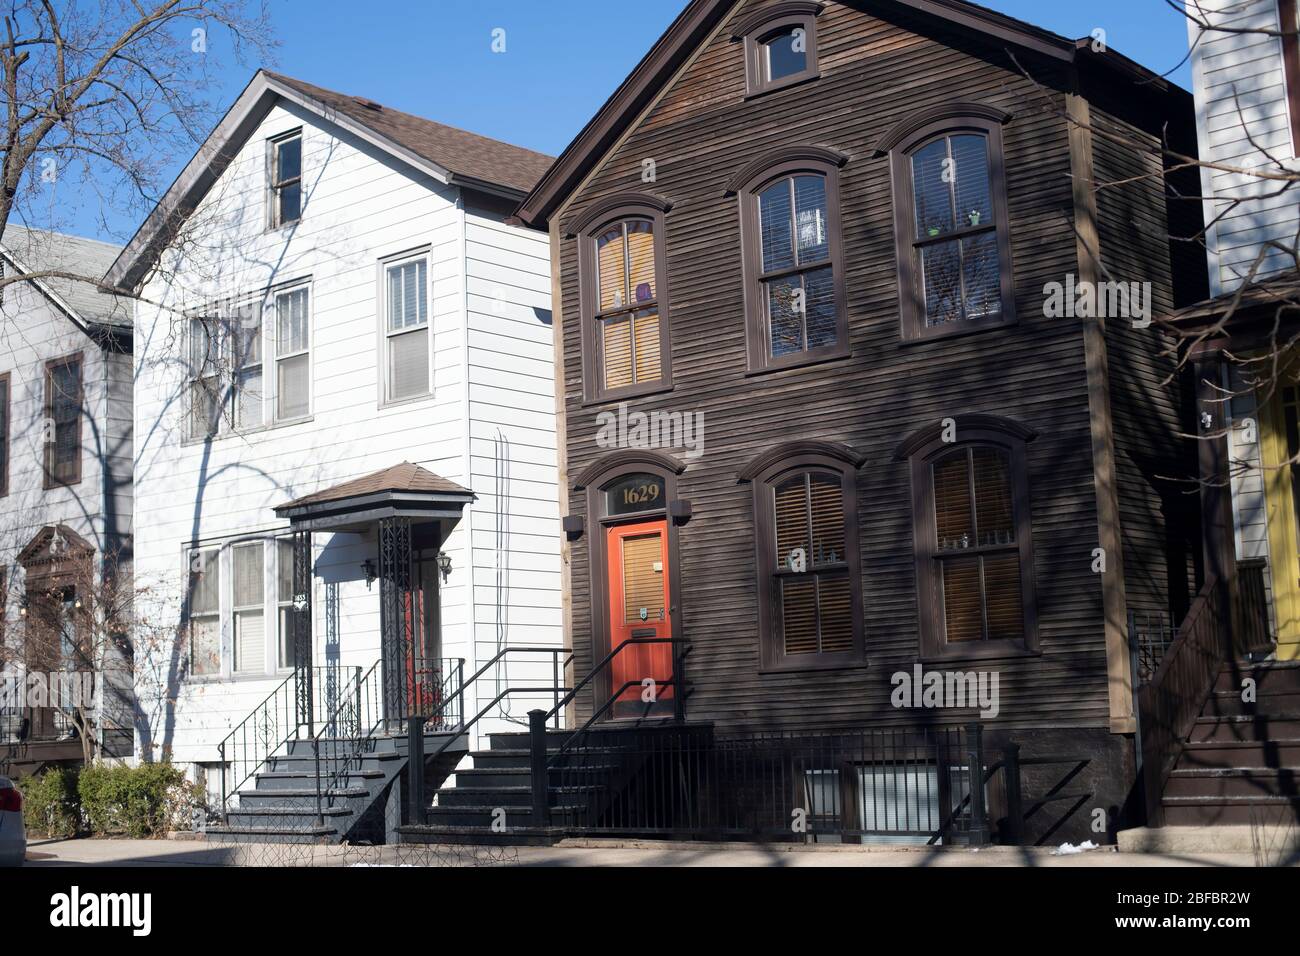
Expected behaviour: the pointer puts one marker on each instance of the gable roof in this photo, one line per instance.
(694, 25)
(39, 250)
(449, 155)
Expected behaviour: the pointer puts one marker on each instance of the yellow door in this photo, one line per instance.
(1280, 441)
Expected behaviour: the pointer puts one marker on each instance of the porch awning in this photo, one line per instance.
(405, 490)
(1261, 314)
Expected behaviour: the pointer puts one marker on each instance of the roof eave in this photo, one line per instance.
(688, 30)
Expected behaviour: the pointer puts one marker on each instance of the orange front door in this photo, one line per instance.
(639, 608)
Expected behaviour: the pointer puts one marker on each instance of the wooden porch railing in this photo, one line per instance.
(1169, 704)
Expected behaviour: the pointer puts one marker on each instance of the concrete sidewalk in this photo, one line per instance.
(590, 853)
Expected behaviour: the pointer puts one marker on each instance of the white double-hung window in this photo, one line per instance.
(406, 328)
(243, 589)
(292, 355)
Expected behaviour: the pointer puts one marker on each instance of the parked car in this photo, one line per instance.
(13, 834)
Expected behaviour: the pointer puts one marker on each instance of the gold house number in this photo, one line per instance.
(641, 494)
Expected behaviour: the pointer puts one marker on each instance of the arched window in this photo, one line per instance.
(780, 45)
(953, 242)
(809, 576)
(794, 273)
(974, 553)
(624, 300)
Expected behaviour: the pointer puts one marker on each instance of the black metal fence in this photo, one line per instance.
(905, 785)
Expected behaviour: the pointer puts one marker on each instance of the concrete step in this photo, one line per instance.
(1229, 838)
(295, 780)
(274, 834)
(477, 836)
(483, 817)
(506, 796)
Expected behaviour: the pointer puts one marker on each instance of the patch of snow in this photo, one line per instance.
(1069, 849)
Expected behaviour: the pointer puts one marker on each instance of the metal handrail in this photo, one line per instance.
(613, 699)
(362, 739)
(240, 731)
(605, 662)
(463, 728)
(498, 657)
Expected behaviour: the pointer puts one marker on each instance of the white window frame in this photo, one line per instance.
(272, 388)
(386, 334)
(239, 610)
(214, 555)
(224, 555)
(226, 317)
(273, 186)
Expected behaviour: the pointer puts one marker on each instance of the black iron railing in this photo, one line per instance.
(351, 731)
(450, 712)
(272, 724)
(1149, 635)
(838, 786)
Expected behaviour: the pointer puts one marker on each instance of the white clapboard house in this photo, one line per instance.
(65, 501)
(345, 463)
(1246, 72)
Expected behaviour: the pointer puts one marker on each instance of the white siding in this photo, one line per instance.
(98, 507)
(360, 207)
(1243, 122)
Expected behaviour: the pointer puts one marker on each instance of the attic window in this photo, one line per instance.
(780, 46)
(286, 180)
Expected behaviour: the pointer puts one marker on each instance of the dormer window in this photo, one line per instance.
(780, 46)
(286, 180)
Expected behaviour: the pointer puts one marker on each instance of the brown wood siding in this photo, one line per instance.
(874, 73)
(1159, 509)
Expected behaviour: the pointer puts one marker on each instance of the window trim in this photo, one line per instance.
(1290, 10)
(191, 554)
(902, 146)
(384, 375)
(747, 186)
(921, 451)
(274, 185)
(6, 433)
(271, 388)
(587, 229)
(47, 457)
(753, 31)
(224, 552)
(764, 474)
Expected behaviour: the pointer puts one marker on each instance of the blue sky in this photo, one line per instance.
(563, 58)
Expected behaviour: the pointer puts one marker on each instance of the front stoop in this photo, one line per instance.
(1222, 838)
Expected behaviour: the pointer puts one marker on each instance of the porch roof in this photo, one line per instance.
(404, 490)
(1255, 315)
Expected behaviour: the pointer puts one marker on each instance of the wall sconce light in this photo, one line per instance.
(444, 564)
(573, 526)
(22, 607)
(368, 569)
(76, 602)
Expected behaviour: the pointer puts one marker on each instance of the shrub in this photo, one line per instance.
(143, 801)
(50, 805)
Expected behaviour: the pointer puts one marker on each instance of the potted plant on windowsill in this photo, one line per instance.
(975, 216)
(933, 228)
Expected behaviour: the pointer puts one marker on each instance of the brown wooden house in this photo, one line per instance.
(825, 236)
